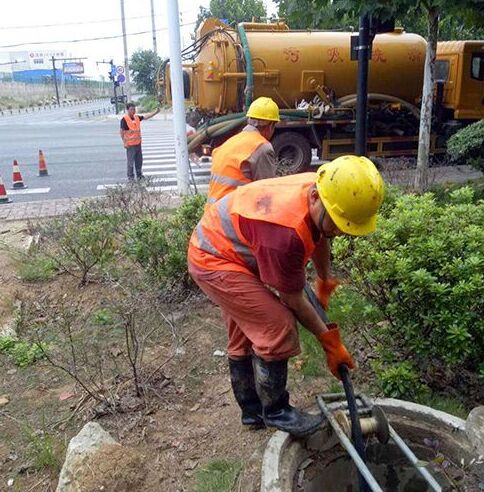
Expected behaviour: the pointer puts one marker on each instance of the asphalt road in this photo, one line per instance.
(84, 155)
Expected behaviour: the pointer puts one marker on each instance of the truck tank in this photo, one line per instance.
(234, 66)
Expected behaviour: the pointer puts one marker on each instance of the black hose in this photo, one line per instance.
(356, 435)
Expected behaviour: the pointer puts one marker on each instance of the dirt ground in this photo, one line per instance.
(190, 420)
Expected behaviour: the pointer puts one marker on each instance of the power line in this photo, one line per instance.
(67, 41)
(34, 26)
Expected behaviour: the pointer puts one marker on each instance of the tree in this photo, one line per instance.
(304, 14)
(470, 11)
(144, 65)
(232, 11)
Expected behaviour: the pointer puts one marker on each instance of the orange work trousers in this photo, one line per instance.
(256, 320)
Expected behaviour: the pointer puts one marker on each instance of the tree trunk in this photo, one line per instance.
(421, 175)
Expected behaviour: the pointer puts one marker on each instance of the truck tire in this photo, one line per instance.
(293, 153)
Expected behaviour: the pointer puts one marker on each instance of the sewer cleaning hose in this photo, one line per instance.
(356, 435)
(249, 87)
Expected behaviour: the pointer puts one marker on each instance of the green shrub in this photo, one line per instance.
(352, 312)
(22, 353)
(399, 381)
(467, 145)
(103, 317)
(160, 246)
(84, 241)
(442, 191)
(36, 268)
(423, 268)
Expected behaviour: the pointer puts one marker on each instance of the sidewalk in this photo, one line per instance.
(40, 209)
(61, 206)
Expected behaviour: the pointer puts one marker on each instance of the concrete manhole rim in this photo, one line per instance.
(270, 477)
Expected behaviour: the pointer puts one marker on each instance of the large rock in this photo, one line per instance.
(82, 446)
(475, 429)
(95, 461)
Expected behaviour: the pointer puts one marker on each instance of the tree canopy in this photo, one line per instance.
(456, 22)
(232, 11)
(143, 66)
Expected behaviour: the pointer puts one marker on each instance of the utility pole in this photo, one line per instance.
(153, 28)
(54, 74)
(364, 47)
(178, 98)
(125, 45)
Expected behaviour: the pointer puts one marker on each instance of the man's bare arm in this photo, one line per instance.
(322, 258)
(153, 113)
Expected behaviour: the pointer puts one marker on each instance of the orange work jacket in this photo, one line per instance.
(226, 173)
(217, 243)
(132, 137)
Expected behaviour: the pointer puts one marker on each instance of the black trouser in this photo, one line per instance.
(134, 156)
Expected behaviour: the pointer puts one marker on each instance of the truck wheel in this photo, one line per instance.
(293, 153)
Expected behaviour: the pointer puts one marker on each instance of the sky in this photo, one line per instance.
(34, 21)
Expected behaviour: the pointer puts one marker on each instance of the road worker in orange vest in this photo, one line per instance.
(257, 240)
(130, 132)
(247, 156)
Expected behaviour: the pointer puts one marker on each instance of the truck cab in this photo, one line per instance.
(460, 67)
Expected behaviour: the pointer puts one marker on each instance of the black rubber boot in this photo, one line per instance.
(270, 380)
(243, 386)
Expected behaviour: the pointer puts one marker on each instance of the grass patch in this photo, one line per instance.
(42, 447)
(36, 268)
(217, 476)
(312, 361)
(445, 404)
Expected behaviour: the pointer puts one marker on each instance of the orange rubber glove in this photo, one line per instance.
(336, 352)
(324, 289)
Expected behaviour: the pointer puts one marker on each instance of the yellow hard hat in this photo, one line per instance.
(351, 189)
(264, 108)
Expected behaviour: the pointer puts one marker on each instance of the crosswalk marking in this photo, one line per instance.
(159, 163)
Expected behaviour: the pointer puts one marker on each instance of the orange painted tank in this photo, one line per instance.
(293, 65)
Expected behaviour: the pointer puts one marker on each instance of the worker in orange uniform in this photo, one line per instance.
(259, 238)
(247, 156)
(131, 135)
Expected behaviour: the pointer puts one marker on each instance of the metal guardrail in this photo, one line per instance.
(96, 112)
(45, 107)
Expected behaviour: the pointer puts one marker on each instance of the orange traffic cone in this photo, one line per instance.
(3, 193)
(42, 165)
(18, 182)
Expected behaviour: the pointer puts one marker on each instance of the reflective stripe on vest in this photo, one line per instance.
(217, 243)
(132, 136)
(226, 172)
(242, 250)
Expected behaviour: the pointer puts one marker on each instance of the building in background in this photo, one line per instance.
(35, 66)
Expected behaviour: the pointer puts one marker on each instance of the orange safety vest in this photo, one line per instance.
(226, 173)
(132, 137)
(217, 243)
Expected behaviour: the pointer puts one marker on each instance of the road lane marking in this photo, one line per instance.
(29, 191)
(169, 166)
(198, 172)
